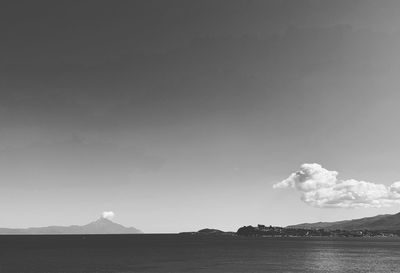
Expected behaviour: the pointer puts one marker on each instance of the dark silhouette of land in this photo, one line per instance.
(270, 231)
(209, 231)
(380, 225)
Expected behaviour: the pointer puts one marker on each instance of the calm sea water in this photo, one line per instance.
(184, 253)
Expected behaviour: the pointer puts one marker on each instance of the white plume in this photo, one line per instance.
(108, 215)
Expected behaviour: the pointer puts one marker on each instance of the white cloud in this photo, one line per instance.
(320, 187)
(108, 215)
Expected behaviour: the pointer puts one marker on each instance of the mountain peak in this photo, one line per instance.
(103, 220)
(106, 226)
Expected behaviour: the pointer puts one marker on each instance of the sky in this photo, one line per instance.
(179, 115)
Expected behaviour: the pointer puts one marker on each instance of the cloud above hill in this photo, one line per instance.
(108, 215)
(322, 188)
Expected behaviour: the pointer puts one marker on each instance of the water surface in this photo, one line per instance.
(186, 253)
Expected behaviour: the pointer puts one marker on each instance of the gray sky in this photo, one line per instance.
(180, 115)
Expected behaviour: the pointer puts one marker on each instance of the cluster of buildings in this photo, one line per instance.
(262, 230)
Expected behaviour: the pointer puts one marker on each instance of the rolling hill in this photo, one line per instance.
(379, 222)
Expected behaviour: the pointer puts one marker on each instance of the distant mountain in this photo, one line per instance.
(379, 222)
(100, 226)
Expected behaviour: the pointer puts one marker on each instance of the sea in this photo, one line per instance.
(170, 253)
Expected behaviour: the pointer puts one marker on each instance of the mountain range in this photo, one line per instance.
(100, 226)
(389, 222)
(379, 222)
